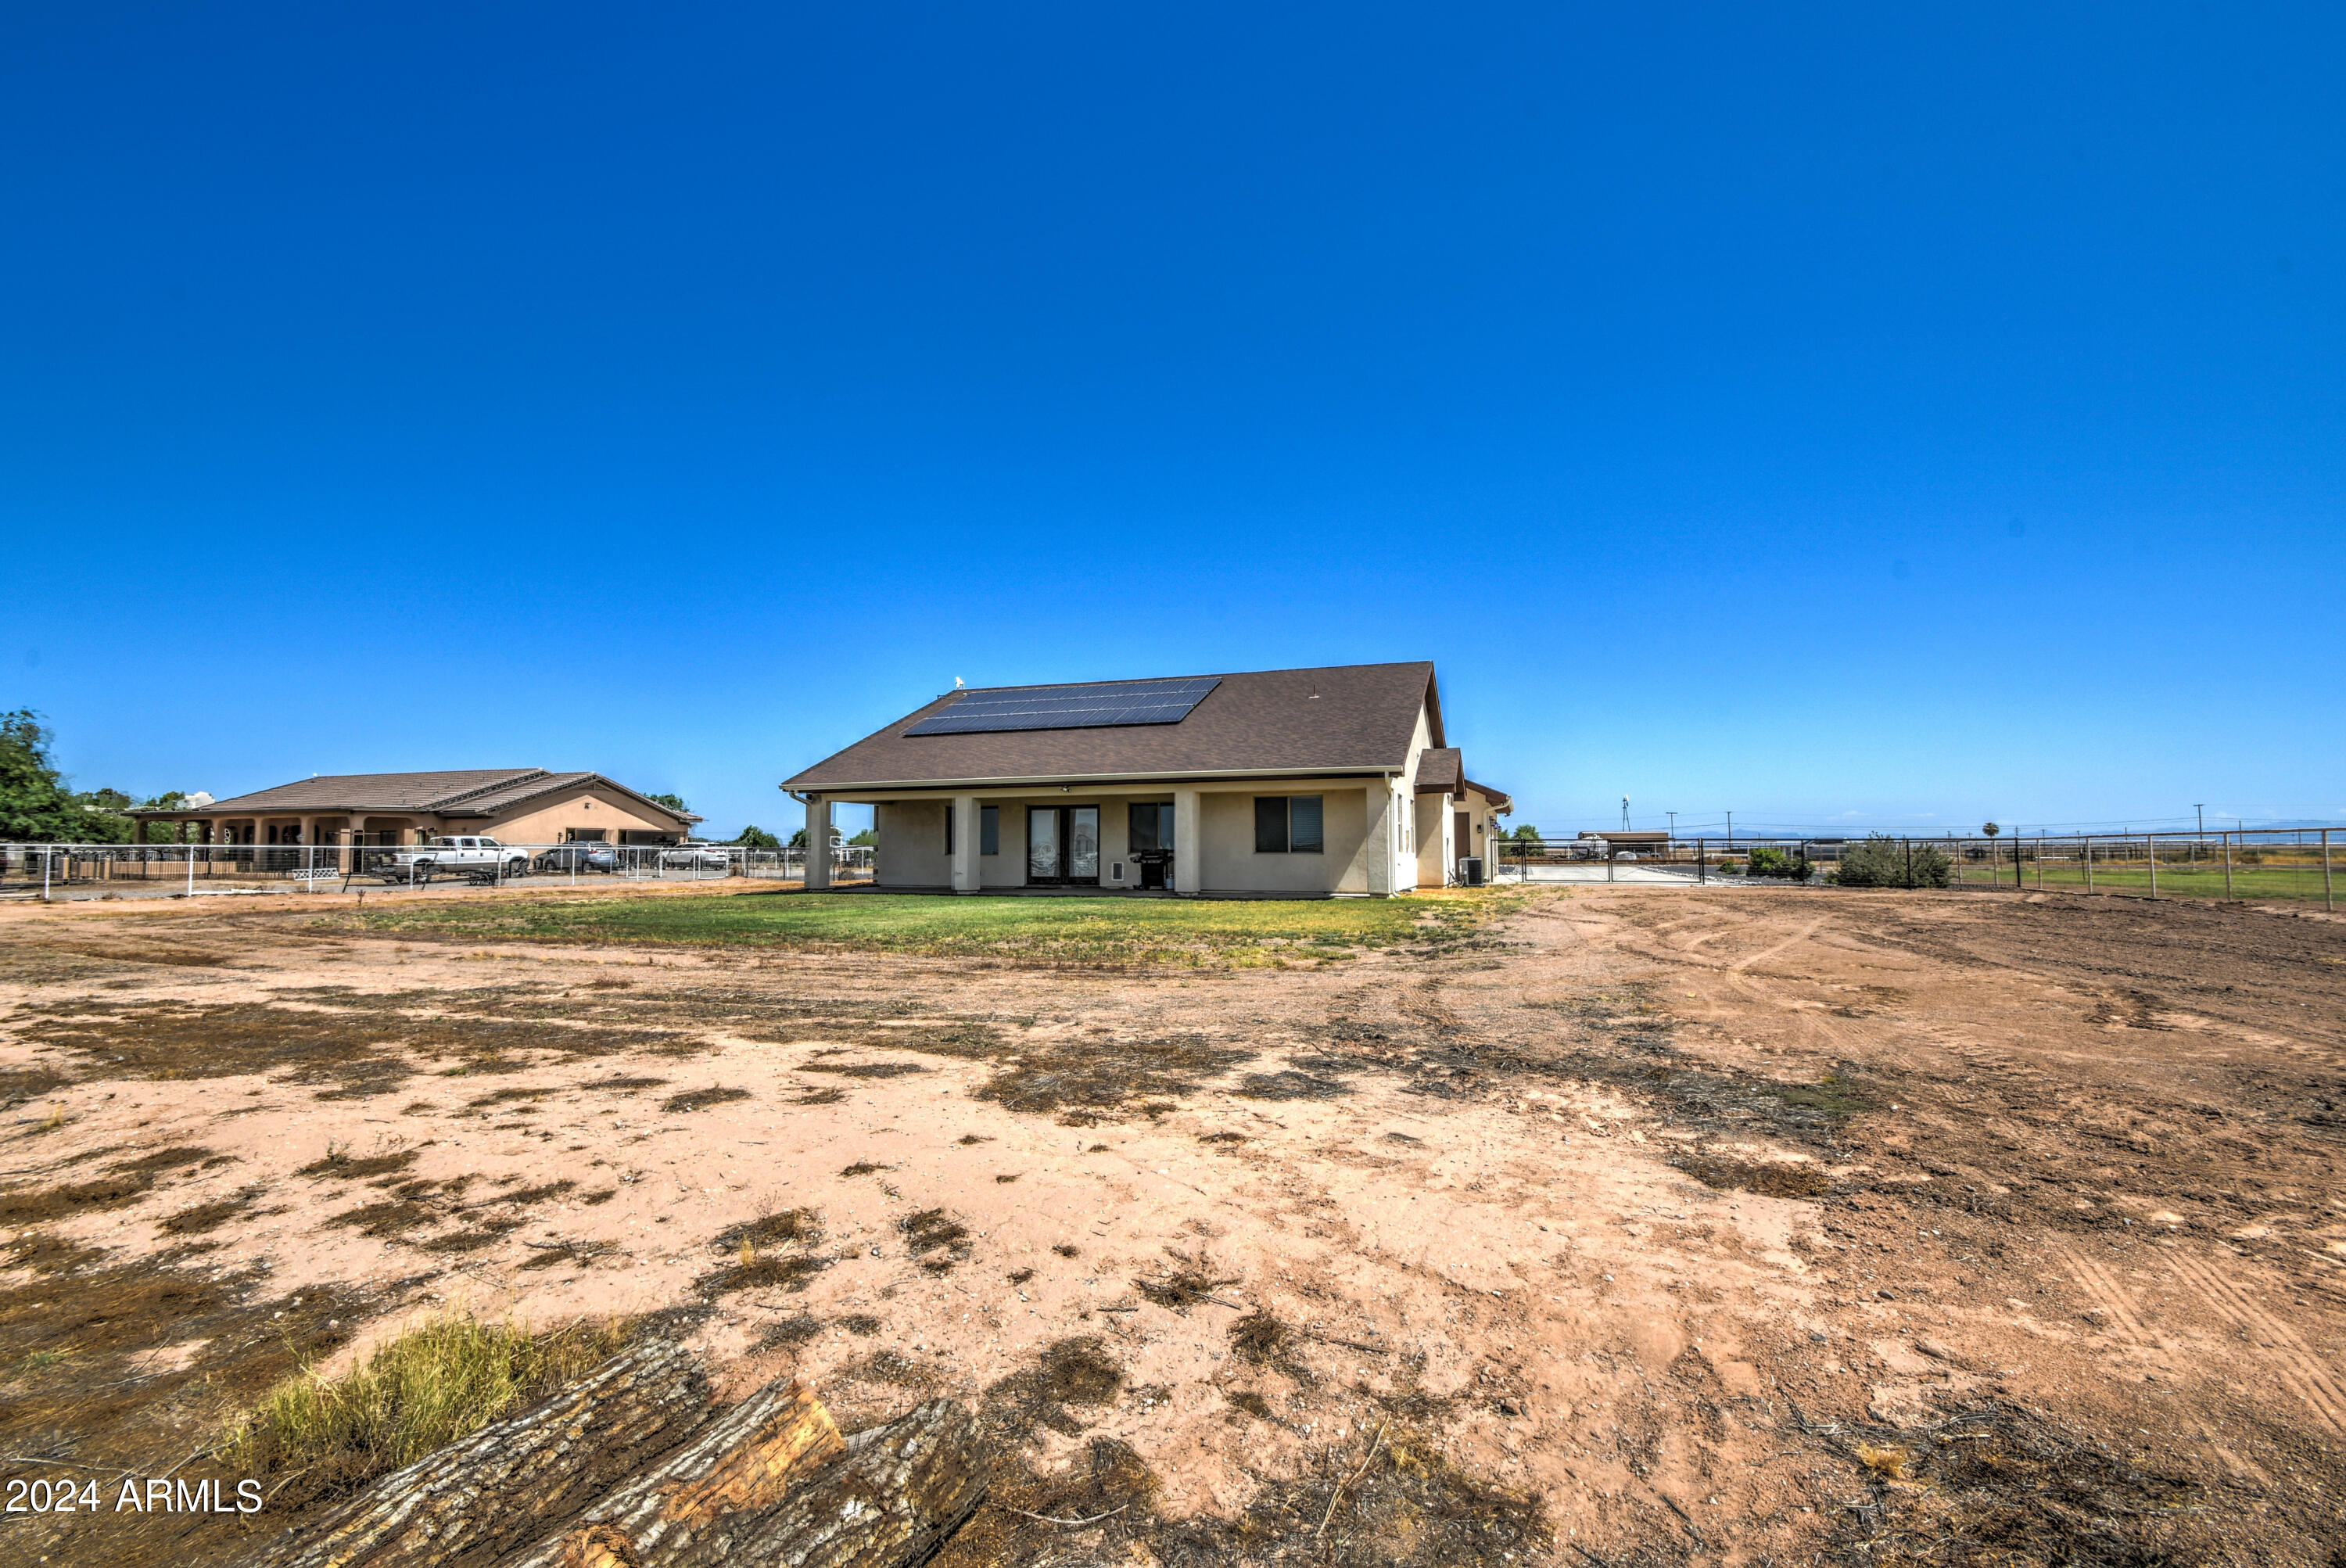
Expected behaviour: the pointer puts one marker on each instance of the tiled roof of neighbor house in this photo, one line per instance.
(380, 791)
(1439, 769)
(1346, 719)
(476, 791)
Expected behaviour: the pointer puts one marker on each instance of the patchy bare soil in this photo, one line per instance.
(1651, 1225)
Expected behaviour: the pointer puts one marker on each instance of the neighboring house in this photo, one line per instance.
(515, 805)
(1294, 782)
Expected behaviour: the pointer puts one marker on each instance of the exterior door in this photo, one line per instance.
(1063, 845)
(1042, 843)
(1462, 845)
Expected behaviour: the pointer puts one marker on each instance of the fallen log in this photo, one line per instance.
(514, 1482)
(901, 1490)
(740, 1464)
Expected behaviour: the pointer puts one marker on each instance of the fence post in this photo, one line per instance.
(2228, 865)
(2150, 853)
(2327, 901)
(2089, 863)
(1701, 867)
(1909, 860)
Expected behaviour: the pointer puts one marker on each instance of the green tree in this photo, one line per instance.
(35, 807)
(1989, 829)
(753, 836)
(673, 802)
(867, 838)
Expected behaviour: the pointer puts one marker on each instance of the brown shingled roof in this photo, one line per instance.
(477, 791)
(1439, 769)
(1344, 719)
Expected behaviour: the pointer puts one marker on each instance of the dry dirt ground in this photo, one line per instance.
(1648, 1226)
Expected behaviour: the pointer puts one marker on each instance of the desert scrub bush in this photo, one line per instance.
(436, 1382)
(1767, 860)
(1881, 861)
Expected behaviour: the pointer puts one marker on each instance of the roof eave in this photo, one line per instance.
(801, 785)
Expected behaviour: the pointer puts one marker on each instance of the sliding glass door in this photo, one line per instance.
(1063, 845)
(1043, 844)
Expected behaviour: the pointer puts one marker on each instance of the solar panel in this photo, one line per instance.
(1092, 706)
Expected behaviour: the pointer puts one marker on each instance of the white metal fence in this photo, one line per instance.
(39, 869)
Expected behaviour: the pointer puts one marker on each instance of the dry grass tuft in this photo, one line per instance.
(438, 1381)
(1768, 1178)
(701, 1099)
(1885, 1461)
(1262, 1339)
(1189, 1281)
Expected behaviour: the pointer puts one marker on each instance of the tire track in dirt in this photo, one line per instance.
(1805, 933)
(2294, 1362)
(2107, 1294)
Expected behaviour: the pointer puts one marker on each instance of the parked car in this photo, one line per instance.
(706, 857)
(578, 856)
(480, 858)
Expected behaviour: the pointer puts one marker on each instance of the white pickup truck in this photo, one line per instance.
(483, 860)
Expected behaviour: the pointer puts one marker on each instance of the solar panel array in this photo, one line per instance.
(1091, 706)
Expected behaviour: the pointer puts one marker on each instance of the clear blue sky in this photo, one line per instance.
(1897, 414)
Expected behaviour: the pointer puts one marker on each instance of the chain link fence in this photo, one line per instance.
(2259, 864)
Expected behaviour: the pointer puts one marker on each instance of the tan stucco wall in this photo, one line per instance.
(911, 851)
(1230, 865)
(543, 821)
(1435, 828)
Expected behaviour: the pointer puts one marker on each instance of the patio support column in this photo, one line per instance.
(964, 856)
(1378, 843)
(1188, 844)
(818, 844)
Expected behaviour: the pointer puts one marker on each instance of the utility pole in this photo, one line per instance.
(1625, 813)
(1730, 828)
(2202, 809)
(1673, 816)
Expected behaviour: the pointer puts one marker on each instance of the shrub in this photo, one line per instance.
(1767, 860)
(1881, 862)
(1727, 869)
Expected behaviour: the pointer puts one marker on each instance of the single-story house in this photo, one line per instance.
(514, 805)
(1291, 782)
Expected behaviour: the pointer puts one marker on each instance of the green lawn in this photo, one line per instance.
(1084, 930)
